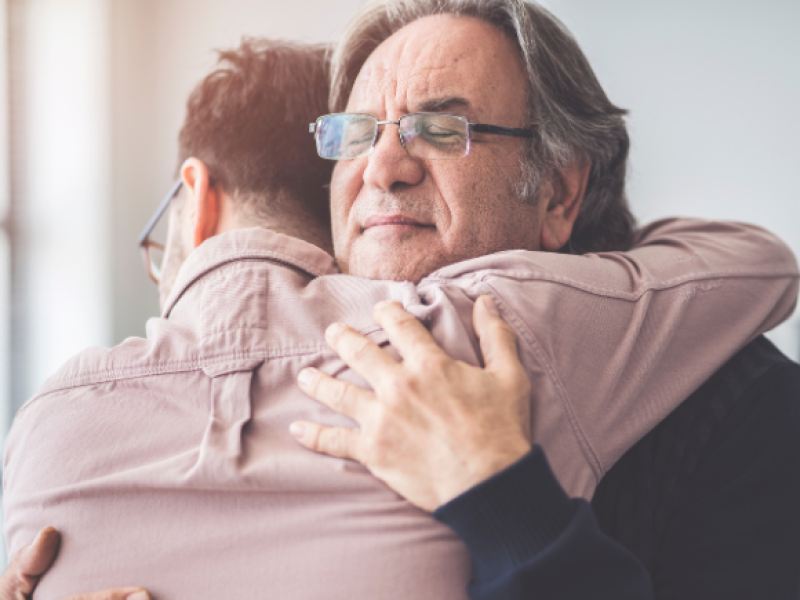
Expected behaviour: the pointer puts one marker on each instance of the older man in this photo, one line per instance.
(707, 500)
(213, 341)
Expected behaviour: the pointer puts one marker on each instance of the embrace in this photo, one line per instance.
(413, 345)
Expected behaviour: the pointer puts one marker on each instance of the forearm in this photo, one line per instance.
(527, 539)
(615, 341)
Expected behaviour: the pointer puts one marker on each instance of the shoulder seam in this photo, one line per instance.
(632, 296)
(532, 342)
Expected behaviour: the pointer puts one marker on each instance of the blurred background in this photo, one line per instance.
(92, 96)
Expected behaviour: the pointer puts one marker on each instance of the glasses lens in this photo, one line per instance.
(345, 135)
(155, 254)
(435, 136)
(156, 242)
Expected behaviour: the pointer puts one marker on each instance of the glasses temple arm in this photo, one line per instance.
(497, 130)
(159, 211)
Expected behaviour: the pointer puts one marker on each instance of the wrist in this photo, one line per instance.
(487, 465)
(515, 514)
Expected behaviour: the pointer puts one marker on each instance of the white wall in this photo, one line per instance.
(61, 173)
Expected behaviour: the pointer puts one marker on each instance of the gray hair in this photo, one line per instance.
(567, 106)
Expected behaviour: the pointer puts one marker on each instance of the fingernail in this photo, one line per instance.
(39, 536)
(138, 596)
(297, 430)
(384, 304)
(488, 303)
(334, 330)
(305, 377)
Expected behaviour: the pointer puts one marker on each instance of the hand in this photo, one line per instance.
(30, 563)
(434, 427)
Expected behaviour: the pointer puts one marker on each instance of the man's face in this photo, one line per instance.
(398, 217)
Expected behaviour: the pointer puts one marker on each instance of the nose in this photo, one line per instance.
(389, 165)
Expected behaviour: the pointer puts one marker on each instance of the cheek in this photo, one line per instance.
(468, 189)
(346, 183)
(343, 191)
(485, 211)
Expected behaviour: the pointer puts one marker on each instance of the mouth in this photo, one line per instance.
(394, 221)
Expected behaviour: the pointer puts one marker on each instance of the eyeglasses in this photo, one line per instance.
(343, 136)
(152, 251)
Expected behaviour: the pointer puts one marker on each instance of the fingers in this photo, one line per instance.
(24, 570)
(407, 334)
(501, 358)
(32, 561)
(36, 559)
(127, 593)
(341, 396)
(360, 354)
(498, 340)
(333, 441)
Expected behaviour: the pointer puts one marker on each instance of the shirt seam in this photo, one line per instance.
(544, 361)
(171, 367)
(193, 364)
(633, 296)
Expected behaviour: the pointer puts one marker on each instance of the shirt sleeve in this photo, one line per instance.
(613, 342)
(527, 539)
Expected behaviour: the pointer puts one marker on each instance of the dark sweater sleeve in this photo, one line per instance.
(527, 539)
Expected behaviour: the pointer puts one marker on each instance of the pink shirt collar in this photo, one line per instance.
(251, 243)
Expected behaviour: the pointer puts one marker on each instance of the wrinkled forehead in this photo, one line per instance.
(441, 58)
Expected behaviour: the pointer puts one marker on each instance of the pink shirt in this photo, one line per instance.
(166, 462)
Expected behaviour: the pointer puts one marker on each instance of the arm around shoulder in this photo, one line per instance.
(617, 340)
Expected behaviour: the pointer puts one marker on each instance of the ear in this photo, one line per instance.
(203, 201)
(567, 188)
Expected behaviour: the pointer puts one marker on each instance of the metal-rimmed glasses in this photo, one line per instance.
(426, 135)
(152, 251)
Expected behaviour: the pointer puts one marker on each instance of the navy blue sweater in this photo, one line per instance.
(706, 506)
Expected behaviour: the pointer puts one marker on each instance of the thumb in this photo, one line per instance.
(36, 558)
(497, 339)
(28, 564)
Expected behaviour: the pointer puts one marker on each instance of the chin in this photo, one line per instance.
(408, 259)
(394, 268)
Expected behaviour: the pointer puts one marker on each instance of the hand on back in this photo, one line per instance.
(433, 427)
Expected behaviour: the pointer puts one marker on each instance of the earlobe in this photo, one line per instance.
(563, 206)
(204, 209)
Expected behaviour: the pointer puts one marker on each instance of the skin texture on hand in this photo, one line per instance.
(433, 427)
(31, 562)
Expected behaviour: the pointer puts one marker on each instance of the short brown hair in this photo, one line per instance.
(567, 106)
(248, 122)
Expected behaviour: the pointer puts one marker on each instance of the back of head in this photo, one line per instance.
(248, 122)
(567, 106)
